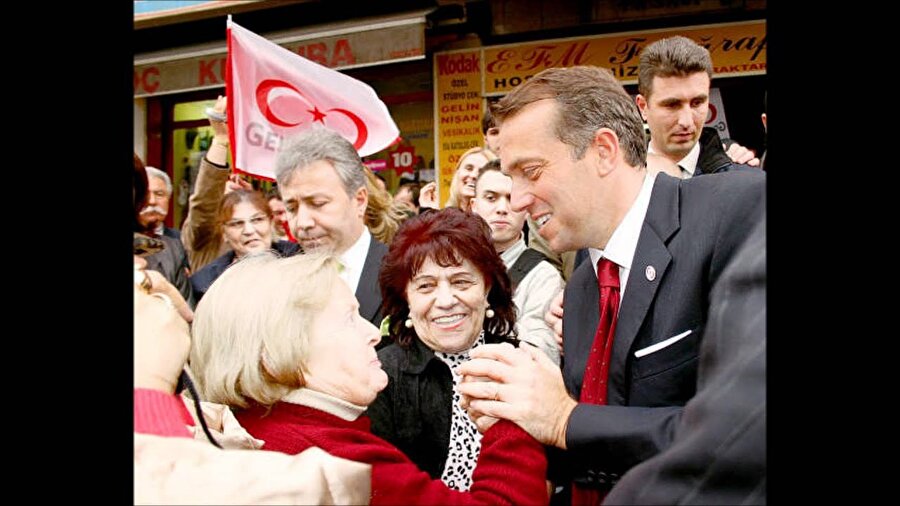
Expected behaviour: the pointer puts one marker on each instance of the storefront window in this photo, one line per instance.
(191, 137)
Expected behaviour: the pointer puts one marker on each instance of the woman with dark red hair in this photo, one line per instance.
(447, 291)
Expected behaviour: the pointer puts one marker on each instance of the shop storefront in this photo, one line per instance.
(465, 78)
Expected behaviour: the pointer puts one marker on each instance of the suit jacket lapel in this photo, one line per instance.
(368, 292)
(661, 221)
(583, 298)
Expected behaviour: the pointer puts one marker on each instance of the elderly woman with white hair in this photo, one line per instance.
(282, 342)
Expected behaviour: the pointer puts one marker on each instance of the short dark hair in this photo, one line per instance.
(273, 193)
(414, 189)
(491, 165)
(674, 56)
(487, 121)
(587, 98)
(448, 237)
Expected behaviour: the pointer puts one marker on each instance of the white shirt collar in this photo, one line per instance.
(354, 258)
(513, 252)
(688, 164)
(623, 242)
(324, 402)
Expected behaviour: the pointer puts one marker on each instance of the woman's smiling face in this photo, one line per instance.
(447, 305)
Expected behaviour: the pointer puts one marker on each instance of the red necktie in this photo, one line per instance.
(594, 386)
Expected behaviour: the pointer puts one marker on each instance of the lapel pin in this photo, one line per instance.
(650, 272)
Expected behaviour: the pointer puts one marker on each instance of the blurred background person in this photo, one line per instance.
(446, 291)
(159, 194)
(245, 223)
(379, 181)
(383, 216)
(408, 195)
(200, 232)
(490, 131)
(462, 186)
(169, 258)
(534, 280)
(279, 215)
(281, 341)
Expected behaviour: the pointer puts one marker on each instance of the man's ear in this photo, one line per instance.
(642, 105)
(361, 200)
(606, 146)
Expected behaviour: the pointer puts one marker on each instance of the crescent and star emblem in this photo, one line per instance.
(267, 86)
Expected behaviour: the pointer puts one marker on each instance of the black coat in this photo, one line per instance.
(204, 278)
(413, 411)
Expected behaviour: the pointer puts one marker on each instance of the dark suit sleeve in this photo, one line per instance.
(742, 208)
(615, 438)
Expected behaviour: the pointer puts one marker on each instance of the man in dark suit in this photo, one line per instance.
(718, 453)
(573, 143)
(323, 184)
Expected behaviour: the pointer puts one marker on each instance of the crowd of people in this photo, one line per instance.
(582, 323)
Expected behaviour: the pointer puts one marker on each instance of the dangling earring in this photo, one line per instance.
(408, 323)
(489, 313)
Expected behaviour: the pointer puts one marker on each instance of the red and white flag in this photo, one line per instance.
(274, 93)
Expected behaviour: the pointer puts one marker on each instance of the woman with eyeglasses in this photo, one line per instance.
(245, 222)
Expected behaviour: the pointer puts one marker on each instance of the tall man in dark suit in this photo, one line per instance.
(718, 454)
(323, 185)
(573, 143)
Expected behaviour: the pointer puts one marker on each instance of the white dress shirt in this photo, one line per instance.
(623, 242)
(688, 164)
(354, 258)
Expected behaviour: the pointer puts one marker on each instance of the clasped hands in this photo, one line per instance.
(517, 384)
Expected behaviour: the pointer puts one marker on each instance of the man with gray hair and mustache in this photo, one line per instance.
(172, 262)
(323, 186)
(154, 214)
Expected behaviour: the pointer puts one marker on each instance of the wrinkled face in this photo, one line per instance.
(157, 203)
(555, 190)
(342, 361)
(405, 196)
(491, 202)
(675, 111)
(249, 230)
(320, 212)
(465, 176)
(447, 305)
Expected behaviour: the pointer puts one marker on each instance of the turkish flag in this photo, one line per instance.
(274, 93)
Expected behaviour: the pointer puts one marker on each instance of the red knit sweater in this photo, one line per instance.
(160, 413)
(511, 468)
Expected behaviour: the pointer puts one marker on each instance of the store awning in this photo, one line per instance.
(353, 44)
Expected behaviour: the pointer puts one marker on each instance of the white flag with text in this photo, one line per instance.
(274, 93)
